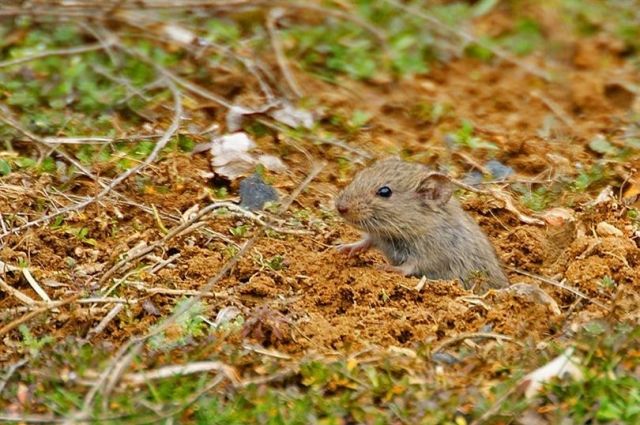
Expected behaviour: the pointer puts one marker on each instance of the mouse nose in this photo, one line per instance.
(341, 207)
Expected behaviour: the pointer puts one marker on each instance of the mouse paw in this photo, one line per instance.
(354, 248)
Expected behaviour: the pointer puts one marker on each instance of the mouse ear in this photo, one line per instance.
(435, 188)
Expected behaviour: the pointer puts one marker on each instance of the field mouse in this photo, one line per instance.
(408, 212)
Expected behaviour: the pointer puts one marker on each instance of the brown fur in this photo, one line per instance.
(421, 228)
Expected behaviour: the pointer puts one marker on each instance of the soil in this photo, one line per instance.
(318, 300)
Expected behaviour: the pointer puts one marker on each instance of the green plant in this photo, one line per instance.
(187, 325)
(629, 148)
(220, 192)
(82, 234)
(607, 282)
(430, 112)
(536, 200)
(524, 39)
(588, 177)
(615, 17)
(608, 391)
(359, 119)
(32, 343)
(276, 263)
(464, 137)
(5, 168)
(240, 230)
(346, 47)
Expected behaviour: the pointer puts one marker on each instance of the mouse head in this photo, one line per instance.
(392, 197)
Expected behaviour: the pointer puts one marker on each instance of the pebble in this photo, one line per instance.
(444, 357)
(498, 170)
(557, 217)
(605, 229)
(255, 193)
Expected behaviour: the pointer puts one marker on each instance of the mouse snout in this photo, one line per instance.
(342, 207)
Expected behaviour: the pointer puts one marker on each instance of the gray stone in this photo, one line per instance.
(255, 193)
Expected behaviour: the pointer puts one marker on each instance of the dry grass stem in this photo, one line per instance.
(35, 285)
(177, 292)
(142, 251)
(106, 320)
(29, 419)
(180, 370)
(266, 352)
(5, 117)
(10, 371)
(25, 299)
(272, 20)
(57, 52)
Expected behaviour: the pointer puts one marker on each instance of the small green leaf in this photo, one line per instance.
(587, 177)
(525, 39)
(276, 263)
(5, 168)
(359, 118)
(225, 31)
(57, 222)
(594, 328)
(85, 154)
(143, 149)
(466, 130)
(48, 165)
(24, 162)
(609, 411)
(185, 143)
(479, 51)
(601, 145)
(239, 231)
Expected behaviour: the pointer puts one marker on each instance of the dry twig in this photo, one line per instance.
(186, 225)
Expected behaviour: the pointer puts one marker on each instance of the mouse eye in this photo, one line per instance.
(384, 192)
